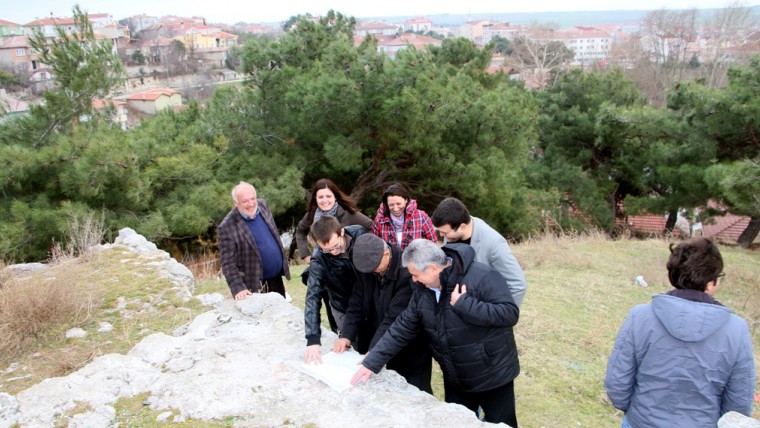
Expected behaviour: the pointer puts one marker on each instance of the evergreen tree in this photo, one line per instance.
(593, 174)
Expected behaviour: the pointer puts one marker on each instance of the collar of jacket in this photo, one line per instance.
(394, 265)
(693, 296)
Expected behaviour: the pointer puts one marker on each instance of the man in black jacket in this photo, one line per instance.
(330, 269)
(382, 291)
(468, 313)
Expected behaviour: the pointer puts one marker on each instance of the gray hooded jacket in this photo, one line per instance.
(681, 363)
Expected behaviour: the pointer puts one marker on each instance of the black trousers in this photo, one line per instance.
(417, 376)
(273, 285)
(498, 404)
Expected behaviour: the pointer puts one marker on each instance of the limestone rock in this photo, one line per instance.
(135, 241)
(9, 410)
(737, 420)
(105, 327)
(100, 417)
(212, 299)
(168, 267)
(236, 361)
(75, 333)
(22, 269)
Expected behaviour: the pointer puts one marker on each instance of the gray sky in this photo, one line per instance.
(232, 11)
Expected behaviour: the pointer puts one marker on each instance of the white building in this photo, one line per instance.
(418, 25)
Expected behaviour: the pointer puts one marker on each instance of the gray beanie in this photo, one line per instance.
(367, 252)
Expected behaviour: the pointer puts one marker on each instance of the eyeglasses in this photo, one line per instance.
(335, 247)
(721, 276)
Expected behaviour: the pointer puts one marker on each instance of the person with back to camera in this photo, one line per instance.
(327, 200)
(684, 359)
(398, 221)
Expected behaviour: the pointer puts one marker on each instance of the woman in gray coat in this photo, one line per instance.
(683, 360)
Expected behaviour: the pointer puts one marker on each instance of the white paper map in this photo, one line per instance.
(336, 370)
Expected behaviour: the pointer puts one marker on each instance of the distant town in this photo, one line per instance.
(174, 58)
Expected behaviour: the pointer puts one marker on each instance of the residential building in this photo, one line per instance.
(138, 23)
(8, 28)
(253, 28)
(48, 26)
(100, 20)
(117, 109)
(17, 56)
(155, 50)
(590, 45)
(153, 101)
(391, 46)
(741, 53)
(201, 39)
(375, 29)
(473, 30)
(445, 31)
(11, 106)
(503, 30)
(418, 25)
(117, 34)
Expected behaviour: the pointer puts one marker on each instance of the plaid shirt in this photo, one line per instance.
(417, 225)
(241, 262)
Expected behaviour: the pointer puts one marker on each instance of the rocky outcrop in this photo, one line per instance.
(239, 360)
(167, 267)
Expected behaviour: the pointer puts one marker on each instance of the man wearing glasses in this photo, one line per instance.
(330, 269)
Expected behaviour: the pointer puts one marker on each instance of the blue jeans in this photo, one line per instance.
(625, 423)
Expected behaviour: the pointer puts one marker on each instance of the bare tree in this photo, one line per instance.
(540, 53)
(665, 37)
(725, 29)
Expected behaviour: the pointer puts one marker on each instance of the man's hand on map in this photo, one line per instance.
(341, 345)
(313, 355)
(362, 375)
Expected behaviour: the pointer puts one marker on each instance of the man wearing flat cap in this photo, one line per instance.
(382, 291)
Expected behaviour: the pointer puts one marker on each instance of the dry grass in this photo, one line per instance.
(5, 276)
(85, 233)
(579, 291)
(33, 312)
(205, 267)
(98, 286)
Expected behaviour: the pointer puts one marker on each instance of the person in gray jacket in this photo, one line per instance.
(455, 224)
(684, 359)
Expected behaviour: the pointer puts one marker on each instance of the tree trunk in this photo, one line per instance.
(671, 223)
(750, 233)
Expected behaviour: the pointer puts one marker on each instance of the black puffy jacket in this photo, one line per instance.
(374, 305)
(472, 341)
(336, 274)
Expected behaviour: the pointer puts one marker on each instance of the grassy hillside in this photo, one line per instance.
(579, 291)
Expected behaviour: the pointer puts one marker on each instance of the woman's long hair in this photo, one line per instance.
(341, 198)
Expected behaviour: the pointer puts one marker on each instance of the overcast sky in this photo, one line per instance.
(232, 11)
